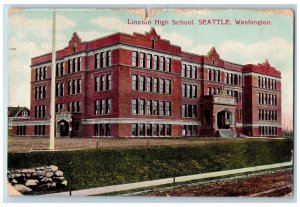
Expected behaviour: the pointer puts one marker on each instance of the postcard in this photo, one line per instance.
(160, 102)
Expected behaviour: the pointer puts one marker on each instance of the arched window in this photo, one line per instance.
(74, 47)
(153, 40)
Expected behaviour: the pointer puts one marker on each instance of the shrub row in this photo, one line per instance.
(101, 167)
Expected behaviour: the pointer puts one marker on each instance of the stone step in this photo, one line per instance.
(227, 133)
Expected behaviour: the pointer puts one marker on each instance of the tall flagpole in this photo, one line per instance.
(52, 98)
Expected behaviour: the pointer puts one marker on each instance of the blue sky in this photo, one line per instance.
(30, 34)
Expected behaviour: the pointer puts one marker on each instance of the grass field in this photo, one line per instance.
(25, 144)
(123, 164)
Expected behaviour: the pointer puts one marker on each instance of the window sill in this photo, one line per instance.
(190, 78)
(104, 68)
(151, 92)
(103, 91)
(74, 94)
(150, 115)
(150, 69)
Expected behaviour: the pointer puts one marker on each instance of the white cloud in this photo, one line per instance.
(91, 35)
(18, 83)
(19, 68)
(25, 48)
(62, 22)
(277, 50)
(202, 49)
(25, 27)
(113, 23)
(176, 39)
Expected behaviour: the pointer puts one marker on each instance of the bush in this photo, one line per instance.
(102, 167)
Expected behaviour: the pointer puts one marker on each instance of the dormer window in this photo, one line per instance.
(24, 113)
(213, 61)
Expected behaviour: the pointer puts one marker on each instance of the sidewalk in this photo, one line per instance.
(152, 183)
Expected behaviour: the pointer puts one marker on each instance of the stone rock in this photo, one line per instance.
(40, 177)
(51, 184)
(22, 189)
(49, 174)
(14, 181)
(64, 183)
(10, 176)
(31, 182)
(17, 175)
(28, 171)
(34, 175)
(40, 173)
(59, 178)
(44, 180)
(36, 179)
(53, 168)
(59, 173)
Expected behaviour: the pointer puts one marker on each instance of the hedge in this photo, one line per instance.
(101, 167)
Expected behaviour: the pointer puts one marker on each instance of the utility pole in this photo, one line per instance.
(52, 98)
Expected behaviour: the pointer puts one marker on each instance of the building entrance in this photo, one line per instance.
(63, 127)
(224, 119)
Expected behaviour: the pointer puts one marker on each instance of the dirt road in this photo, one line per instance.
(278, 184)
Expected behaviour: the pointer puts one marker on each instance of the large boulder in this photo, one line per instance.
(31, 182)
(22, 188)
(59, 173)
(10, 176)
(40, 173)
(14, 181)
(18, 171)
(53, 168)
(59, 178)
(17, 175)
(64, 183)
(40, 168)
(51, 185)
(44, 180)
(49, 174)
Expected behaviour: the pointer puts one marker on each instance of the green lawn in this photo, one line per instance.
(101, 167)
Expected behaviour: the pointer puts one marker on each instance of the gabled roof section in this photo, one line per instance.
(152, 40)
(14, 111)
(212, 52)
(75, 40)
(263, 68)
(213, 58)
